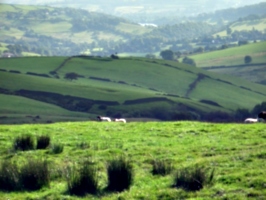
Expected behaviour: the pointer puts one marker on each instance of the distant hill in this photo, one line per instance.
(42, 30)
(149, 11)
(233, 14)
(67, 31)
(129, 87)
(60, 28)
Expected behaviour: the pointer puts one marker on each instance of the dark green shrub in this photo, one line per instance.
(43, 141)
(23, 143)
(9, 176)
(120, 174)
(83, 180)
(34, 175)
(57, 148)
(161, 167)
(193, 179)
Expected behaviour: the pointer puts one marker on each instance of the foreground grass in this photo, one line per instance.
(236, 151)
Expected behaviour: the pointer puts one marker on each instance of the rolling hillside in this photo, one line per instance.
(232, 56)
(62, 31)
(231, 61)
(131, 87)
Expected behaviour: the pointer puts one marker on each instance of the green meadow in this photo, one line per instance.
(125, 85)
(236, 153)
(232, 56)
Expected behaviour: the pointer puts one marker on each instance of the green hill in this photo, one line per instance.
(232, 56)
(131, 87)
(231, 61)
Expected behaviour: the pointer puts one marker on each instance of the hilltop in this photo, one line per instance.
(129, 87)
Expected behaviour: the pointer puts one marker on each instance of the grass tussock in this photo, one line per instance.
(120, 174)
(193, 179)
(82, 180)
(43, 142)
(161, 167)
(57, 148)
(23, 143)
(9, 176)
(83, 145)
(33, 175)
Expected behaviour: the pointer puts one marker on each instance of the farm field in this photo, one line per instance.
(259, 25)
(232, 56)
(254, 73)
(236, 153)
(105, 86)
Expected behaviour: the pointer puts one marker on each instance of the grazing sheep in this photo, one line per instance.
(107, 119)
(262, 115)
(251, 120)
(121, 120)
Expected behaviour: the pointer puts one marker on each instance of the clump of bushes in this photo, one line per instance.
(23, 143)
(33, 175)
(120, 174)
(82, 181)
(193, 179)
(43, 141)
(161, 167)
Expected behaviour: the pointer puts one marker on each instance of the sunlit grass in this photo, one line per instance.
(235, 151)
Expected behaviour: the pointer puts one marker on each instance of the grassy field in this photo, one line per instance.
(232, 56)
(259, 25)
(251, 73)
(133, 28)
(124, 79)
(236, 152)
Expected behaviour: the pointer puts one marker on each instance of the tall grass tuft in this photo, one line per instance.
(193, 179)
(9, 176)
(34, 175)
(43, 141)
(161, 167)
(120, 174)
(23, 143)
(57, 148)
(83, 180)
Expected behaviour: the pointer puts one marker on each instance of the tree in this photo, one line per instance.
(71, 76)
(189, 61)
(150, 56)
(242, 42)
(228, 31)
(247, 59)
(167, 54)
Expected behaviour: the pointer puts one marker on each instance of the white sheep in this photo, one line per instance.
(100, 118)
(121, 120)
(251, 120)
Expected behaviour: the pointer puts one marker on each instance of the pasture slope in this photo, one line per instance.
(231, 61)
(232, 56)
(125, 85)
(236, 152)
